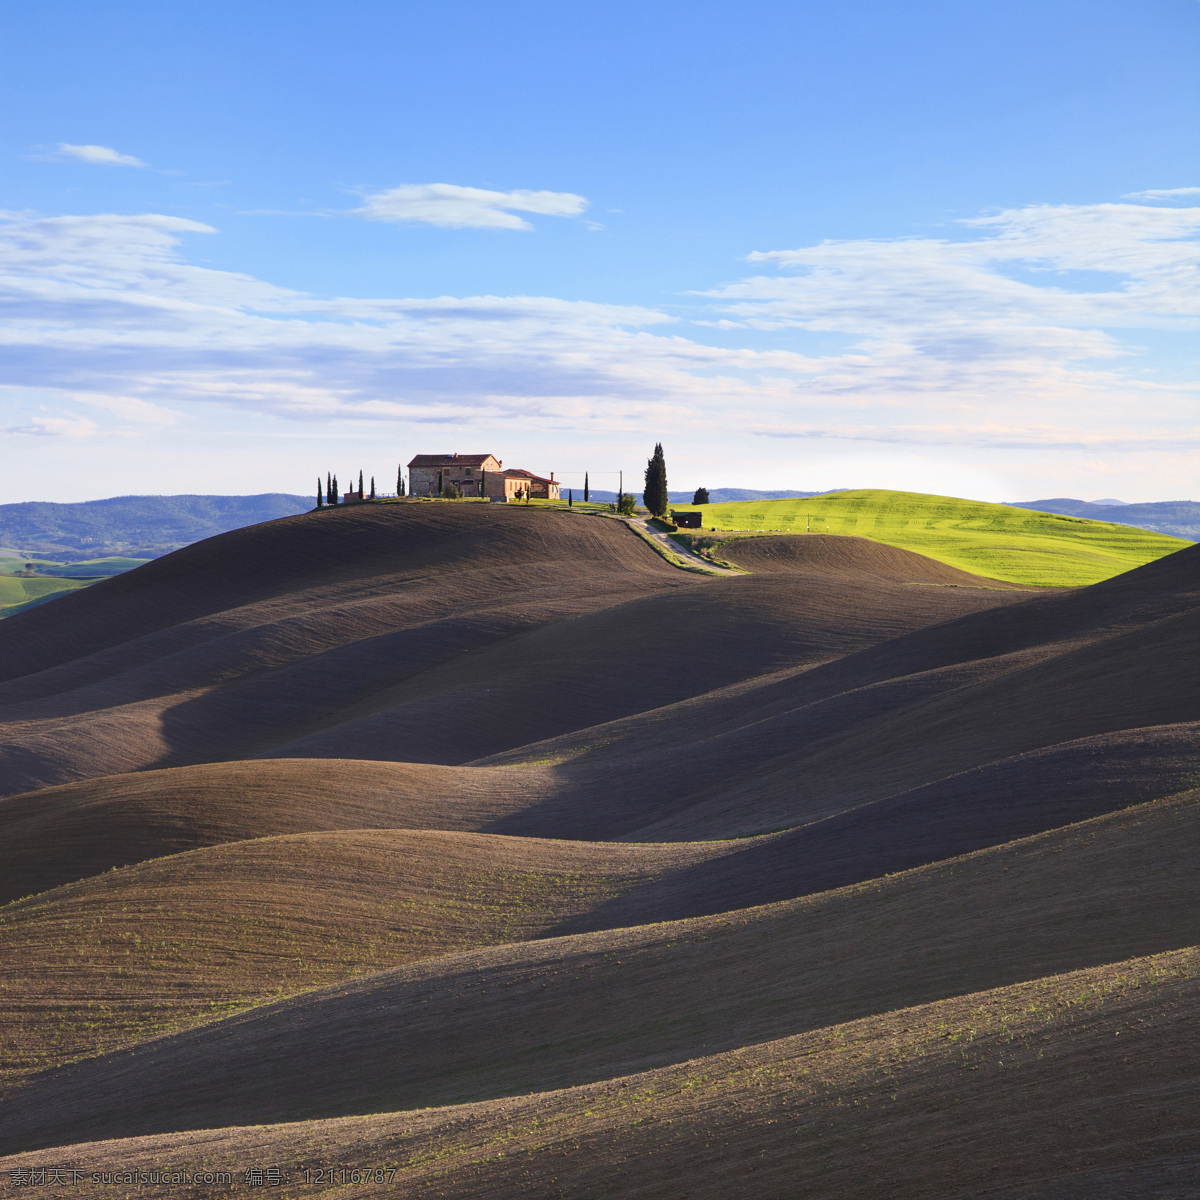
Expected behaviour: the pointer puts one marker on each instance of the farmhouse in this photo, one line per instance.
(475, 475)
(430, 474)
(518, 481)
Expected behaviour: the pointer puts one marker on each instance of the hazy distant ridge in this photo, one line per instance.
(1178, 518)
(138, 526)
(147, 526)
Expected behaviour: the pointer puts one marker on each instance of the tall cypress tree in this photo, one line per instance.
(360, 484)
(320, 494)
(372, 487)
(333, 491)
(585, 487)
(328, 485)
(655, 495)
(570, 498)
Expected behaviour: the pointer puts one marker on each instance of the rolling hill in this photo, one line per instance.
(996, 540)
(860, 873)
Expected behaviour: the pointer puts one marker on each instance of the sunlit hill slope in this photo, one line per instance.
(988, 539)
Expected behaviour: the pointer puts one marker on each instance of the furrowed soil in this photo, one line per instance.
(857, 874)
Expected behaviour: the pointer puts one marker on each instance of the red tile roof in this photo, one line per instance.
(521, 473)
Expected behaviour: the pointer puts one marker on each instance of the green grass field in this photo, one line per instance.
(19, 591)
(17, 594)
(92, 568)
(1014, 544)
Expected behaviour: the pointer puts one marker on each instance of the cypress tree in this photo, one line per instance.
(360, 483)
(333, 491)
(570, 498)
(655, 495)
(320, 494)
(372, 487)
(701, 496)
(585, 487)
(328, 485)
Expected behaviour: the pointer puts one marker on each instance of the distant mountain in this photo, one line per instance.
(715, 495)
(134, 526)
(1179, 518)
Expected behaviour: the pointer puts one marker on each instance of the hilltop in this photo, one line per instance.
(995, 540)
(594, 874)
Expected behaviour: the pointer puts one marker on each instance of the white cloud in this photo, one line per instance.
(1014, 336)
(103, 156)
(454, 207)
(69, 426)
(1162, 193)
(1022, 319)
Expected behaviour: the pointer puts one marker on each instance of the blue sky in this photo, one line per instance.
(942, 246)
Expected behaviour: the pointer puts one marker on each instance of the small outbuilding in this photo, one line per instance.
(687, 520)
(508, 485)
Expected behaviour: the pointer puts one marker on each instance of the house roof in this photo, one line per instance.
(451, 460)
(521, 473)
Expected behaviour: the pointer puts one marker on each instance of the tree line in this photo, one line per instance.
(329, 492)
(654, 496)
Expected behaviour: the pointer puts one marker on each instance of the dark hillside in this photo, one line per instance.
(329, 549)
(654, 880)
(570, 1010)
(419, 632)
(116, 820)
(642, 655)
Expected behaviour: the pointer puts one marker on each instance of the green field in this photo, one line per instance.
(17, 593)
(1015, 544)
(92, 568)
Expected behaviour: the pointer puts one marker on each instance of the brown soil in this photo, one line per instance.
(436, 793)
(557, 1013)
(116, 820)
(167, 943)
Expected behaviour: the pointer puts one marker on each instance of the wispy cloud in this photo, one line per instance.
(454, 207)
(1162, 194)
(1021, 331)
(101, 156)
(1025, 314)
(75, 427)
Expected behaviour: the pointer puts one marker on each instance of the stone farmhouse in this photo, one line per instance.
(476, 475)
